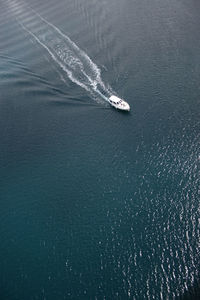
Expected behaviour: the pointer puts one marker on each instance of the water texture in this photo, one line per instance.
(94, 203)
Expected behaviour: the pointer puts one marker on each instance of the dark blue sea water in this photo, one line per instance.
(94, 203)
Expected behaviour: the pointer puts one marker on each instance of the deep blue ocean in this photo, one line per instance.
(96, 204)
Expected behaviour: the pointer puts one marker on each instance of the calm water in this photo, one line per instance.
(98, 204)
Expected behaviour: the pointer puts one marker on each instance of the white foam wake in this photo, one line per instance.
(72, 60)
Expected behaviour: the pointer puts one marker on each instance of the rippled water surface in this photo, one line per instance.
(98, 204)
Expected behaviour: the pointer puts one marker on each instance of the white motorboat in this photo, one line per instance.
(119, 103)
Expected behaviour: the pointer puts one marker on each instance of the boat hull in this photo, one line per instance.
(119, 103)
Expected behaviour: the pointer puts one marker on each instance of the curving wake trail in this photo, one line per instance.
(72, 60)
